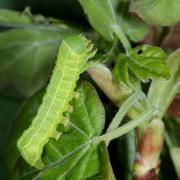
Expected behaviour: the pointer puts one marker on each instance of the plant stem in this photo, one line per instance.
(120, 34)
(100, 74)
(123, 110)
(127, 127)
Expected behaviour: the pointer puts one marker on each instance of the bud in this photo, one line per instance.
(149, 148)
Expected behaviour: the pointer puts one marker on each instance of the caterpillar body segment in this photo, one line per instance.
(72, 59)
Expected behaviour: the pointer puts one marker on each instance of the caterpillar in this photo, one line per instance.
(72, 60)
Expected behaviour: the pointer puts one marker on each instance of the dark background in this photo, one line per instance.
(69, 10)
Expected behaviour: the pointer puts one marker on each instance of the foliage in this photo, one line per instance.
(140, 79)
(144, 61)
(155, 11)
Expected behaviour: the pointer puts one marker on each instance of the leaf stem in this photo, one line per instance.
(123, 110)
(127, 127)
(124, 40)
(106, 137)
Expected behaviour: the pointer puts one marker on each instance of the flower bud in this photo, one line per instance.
(149, 148)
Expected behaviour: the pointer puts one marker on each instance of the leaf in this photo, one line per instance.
(145, 62)
(148, 62)
(120, 70)
(131, 25)
(161, 93)
(10, 18)
(101, 16)
(157, 12)
(175, 154)
(105, 16)
(106, 172)
(84, 166)
(26, 57)
(73, 147)
(73, 156)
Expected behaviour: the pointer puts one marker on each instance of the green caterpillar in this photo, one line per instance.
(72, 59)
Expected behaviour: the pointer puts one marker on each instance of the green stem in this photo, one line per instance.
(123, 110)
(120, 34)
(127, 127)
(115, 93)
(106, 137)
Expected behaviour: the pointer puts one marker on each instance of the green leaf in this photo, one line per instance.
(132, 26)
(161, 93)
(89, 163)
(157, 12)
(148, 62)
(145, 62)
(120, 70)
(10, 18)
(104, 18)
(73, 150)
(73, 156)
(106, 172)
(26, 57)
(175, 154)
(101, 16)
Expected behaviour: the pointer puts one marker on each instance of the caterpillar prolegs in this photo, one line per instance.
(72, 59)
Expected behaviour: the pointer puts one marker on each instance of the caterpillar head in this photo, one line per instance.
(80, 46)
